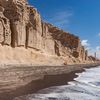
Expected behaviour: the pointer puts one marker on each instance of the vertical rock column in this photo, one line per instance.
(14, 11)
(34, 29)
(1, 25)
(48, 43)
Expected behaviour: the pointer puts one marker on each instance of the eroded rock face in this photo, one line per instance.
(33, 29)
(21, 25)
(15, 11)
(5, 32)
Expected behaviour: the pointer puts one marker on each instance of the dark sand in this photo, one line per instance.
(47, 81)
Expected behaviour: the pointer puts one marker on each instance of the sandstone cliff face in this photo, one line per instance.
(21, 26)
(5, 32)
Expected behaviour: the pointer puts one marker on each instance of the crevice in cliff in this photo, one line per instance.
(57, 49)
(27, 36)
(13, 36)
(42, 29)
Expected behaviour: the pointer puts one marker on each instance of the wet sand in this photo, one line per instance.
(56, 77)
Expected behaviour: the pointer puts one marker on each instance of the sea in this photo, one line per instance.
(85, 87)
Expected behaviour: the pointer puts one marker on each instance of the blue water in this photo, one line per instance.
(85, 87)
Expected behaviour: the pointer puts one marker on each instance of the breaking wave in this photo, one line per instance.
(85, 87)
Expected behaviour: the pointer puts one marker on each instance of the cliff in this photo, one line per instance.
(25, 38)
(28, 48)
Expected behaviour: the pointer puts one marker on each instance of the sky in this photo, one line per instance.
(79, 17)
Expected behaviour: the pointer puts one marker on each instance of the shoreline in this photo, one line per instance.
(45, 77)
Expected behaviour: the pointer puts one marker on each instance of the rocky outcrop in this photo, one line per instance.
(21, 26)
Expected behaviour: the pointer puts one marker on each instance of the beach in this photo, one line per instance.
(85, 87)
(18, 80)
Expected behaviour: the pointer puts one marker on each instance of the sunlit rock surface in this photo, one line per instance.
(21, 26)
